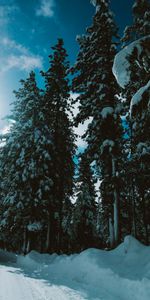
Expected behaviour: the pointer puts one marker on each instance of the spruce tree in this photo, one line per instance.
(137, 93)
(57, 99)
(97, 87)
(141, 22)
(85, 209)
(25, 176)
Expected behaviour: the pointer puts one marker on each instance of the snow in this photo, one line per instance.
(143, 149)
(120, 274)
(138, 97)
(36, 226)
(106, 111)
(107, 144)
(121, 64)
(97, 4)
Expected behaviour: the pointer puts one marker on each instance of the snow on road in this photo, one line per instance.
(15, 286)
(121, 274)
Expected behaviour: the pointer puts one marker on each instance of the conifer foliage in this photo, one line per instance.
(131, 68)
(57, 99)
(26, 180)
(141, 21)
(85, 209)
(97, 87)
(137, 93)
(37, 164)
(46, 202)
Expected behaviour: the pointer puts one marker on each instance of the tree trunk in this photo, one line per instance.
(48, 235)
(28, 245)
(144, 220)
(115, 205)
(133, 230)
(111, 232)
(116, 218)
(24, 248)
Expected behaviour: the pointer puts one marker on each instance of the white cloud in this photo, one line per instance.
(46, 8)
(19, 57)
(6, 42)
(22, 62)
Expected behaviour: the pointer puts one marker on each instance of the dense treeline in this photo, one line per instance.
(47, 202)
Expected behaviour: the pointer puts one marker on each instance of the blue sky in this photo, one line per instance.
(28, 29)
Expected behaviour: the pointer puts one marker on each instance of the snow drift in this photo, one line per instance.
(123, 273)
(120, 274)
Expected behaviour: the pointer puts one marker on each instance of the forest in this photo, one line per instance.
(55, 198)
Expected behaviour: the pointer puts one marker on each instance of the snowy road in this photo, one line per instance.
(120, 274)
(15, 286)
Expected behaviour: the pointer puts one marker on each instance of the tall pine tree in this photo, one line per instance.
(141, 21)
(137, 93)
(97, 87)
(57, 99)
(25, 177)
(85, 209)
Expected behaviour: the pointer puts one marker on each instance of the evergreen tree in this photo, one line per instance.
(57, 99)
(25, 177)
(85, 209)
(97, 87)
(137, 93)
(138, 61)
(141, 21)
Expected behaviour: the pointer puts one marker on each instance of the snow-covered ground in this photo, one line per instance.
(123, 273)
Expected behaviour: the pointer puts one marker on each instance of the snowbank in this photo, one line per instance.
(121, 67)
(120, 274)
(123, 273)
